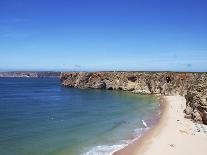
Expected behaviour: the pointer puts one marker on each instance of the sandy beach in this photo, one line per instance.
(174, 135)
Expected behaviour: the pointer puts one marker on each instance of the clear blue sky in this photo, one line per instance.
(103, 35)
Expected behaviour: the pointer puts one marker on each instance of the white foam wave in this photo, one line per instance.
(110, 149)
(105, 149)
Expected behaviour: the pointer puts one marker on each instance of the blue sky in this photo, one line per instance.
(103, 35)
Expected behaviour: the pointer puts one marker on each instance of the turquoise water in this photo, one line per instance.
(39, 117)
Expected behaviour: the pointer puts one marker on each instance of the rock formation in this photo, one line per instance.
(191, 85)
(196, 100)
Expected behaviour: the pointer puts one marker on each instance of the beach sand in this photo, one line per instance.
(174, 135)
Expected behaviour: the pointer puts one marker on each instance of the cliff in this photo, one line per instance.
(191, 85)
(30, 74)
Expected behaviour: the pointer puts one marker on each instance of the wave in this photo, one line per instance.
(110, 149)
(105, 149)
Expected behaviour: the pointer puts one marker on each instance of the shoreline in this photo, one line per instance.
(137, 147)
(173, 134)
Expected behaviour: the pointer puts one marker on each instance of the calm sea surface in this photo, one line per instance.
(40, 117)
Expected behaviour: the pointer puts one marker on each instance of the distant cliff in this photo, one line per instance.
(30, 74)
(191, 85)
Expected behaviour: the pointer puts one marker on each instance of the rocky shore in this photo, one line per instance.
(191, 85)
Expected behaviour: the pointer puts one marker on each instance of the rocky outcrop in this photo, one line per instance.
(191, 85)
(196, 100)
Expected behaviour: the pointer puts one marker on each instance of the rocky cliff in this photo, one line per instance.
(191, 85)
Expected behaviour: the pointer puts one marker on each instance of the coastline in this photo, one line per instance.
(173, 134)
(112, 149)
(138, 146)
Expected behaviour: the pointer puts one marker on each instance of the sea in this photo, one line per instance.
(38, 116)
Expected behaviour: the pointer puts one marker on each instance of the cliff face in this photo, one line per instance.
(138, 82)
(196, 100)
(191, 85)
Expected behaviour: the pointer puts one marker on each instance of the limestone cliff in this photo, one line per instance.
(191, 85)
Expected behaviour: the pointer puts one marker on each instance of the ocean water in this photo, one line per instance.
(40, 117)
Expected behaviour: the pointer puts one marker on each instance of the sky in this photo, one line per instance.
(95, 35)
